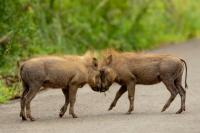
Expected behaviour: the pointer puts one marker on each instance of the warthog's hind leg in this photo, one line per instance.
(182, 93)
(64, 107)
(31, 94)
(173, 91)
(22, 100)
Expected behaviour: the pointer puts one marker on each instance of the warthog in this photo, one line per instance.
(129, 69)
(68, 73)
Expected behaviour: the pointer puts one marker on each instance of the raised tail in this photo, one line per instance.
(186, 86)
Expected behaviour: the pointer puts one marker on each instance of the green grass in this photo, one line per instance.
(7, 93)
(44, 27)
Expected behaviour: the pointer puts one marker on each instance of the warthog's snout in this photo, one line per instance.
(103, 88)
(99, 87)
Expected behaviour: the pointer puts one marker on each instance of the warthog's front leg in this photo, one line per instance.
(72, 99)
(131, 95)
(119, 93)
(64, 107)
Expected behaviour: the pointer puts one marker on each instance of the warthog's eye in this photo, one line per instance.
(96, 65)
(95, 62)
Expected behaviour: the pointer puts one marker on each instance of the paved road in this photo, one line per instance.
(92, 107)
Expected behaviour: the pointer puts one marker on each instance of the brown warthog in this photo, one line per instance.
(68, 73)
(129, 69)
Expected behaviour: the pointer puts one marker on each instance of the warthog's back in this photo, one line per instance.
(52, 71)
(150, 68)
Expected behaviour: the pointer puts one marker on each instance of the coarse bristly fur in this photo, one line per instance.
(129, 69)
(66, 72)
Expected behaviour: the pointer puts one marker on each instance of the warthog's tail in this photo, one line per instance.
(24, 84)
(20, 66)
(186, 86)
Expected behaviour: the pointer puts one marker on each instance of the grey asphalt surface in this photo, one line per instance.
(91, 107)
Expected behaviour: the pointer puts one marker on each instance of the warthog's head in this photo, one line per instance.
(94, 79)
(108, 75)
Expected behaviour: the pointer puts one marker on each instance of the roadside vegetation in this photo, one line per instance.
(43, 27)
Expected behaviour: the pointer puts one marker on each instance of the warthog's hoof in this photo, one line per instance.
(74, 116)
(62, 111)
(111, 107)
(163, 109)
(128, 113)
(61, 115)
(130, 110)
(24, 118)
(32, 119)
(179, 111)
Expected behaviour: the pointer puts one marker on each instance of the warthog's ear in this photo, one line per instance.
(109, 59)
(94, 62)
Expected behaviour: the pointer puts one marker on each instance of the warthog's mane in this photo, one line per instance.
(115, 53)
